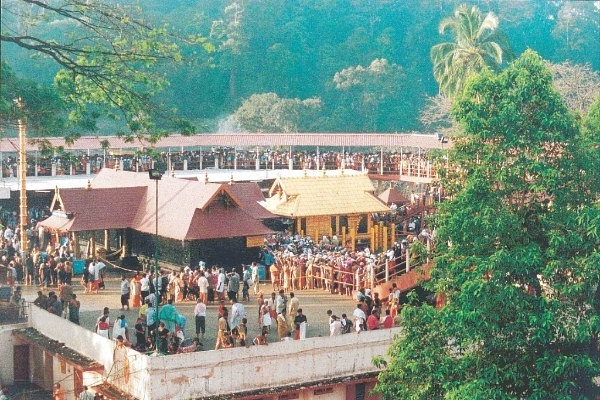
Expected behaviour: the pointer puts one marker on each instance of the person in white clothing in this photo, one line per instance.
(360, 318)
(120, 328)
(203, 287)
(220, 289)
(255, 277)
(335, 326)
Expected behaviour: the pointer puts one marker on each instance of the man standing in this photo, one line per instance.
(300, 323)
(125, 288)
(203, 287)
(280, 302)
(293, 309)
(74, 309)
(335, 326)
(247, 281)
(94, 272)
(121, 328)
(169, 315)
(234, 285)
(238, 312)
(360, 318)
(145, 286)
(200, 318)
(220, 284)
(255, 277)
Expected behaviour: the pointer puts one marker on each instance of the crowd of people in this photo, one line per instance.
(226, 158)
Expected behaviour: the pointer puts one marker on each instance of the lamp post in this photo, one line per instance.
(155, 175)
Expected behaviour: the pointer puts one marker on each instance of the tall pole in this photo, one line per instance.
(155, 175)
(22, 180)
(156, 298)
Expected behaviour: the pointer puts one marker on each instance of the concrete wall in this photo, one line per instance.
(90, 345)
(224, 371)
(285, 363)
(7, 343)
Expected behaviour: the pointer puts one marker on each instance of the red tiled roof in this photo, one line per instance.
(391, 195)
(247, 140)
(106, 208)
(249, 194)
(217, 222)
(119, 199)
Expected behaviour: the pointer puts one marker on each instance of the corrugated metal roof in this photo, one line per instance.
(245, 140)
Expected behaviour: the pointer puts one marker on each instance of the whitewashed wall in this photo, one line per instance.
(7, 342)
(240, 369)
(206, 373)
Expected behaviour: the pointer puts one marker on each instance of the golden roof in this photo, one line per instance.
(323, 195)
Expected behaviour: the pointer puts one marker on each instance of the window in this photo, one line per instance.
(289, 396)
(325, 390)
(359, 393)
(363, 224)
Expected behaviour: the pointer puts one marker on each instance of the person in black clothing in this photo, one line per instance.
(299, 319)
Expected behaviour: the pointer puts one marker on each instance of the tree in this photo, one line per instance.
(436, 114)
(107, 59)
(477, 44)
(44, 106)
(578, 84)
(516, 254)
(267, 112)
(369, 90)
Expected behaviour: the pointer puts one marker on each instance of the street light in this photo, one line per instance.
(155, 175)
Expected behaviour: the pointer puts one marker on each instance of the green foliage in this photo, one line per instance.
(228, 51)
(108, 56)
(477, 44)
(516, 254)
(42, 107)
(268, 112)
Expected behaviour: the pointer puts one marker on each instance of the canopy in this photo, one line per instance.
(391, 195)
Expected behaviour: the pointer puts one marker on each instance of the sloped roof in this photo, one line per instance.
(95, 209)
(250, 196)
(326, 195)
(187, 209)
(326, 139)
(391, 195)
(216, 222)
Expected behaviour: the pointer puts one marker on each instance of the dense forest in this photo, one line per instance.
(329, 65)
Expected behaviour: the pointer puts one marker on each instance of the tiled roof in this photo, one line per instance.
(54, 347)
(390, 195)
(326, 195)
(187, 209)
(217, 222)
(250, 194)
(106, 208)
(246, 140)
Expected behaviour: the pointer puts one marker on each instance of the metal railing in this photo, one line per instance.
(11, 313)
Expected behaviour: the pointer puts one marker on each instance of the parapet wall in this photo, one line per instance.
(225, 371)
(210, 373)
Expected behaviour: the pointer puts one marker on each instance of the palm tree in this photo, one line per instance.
(477, 44)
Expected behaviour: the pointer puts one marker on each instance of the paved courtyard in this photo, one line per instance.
(314, 304)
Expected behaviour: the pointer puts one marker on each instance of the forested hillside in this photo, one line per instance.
(337, 65)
